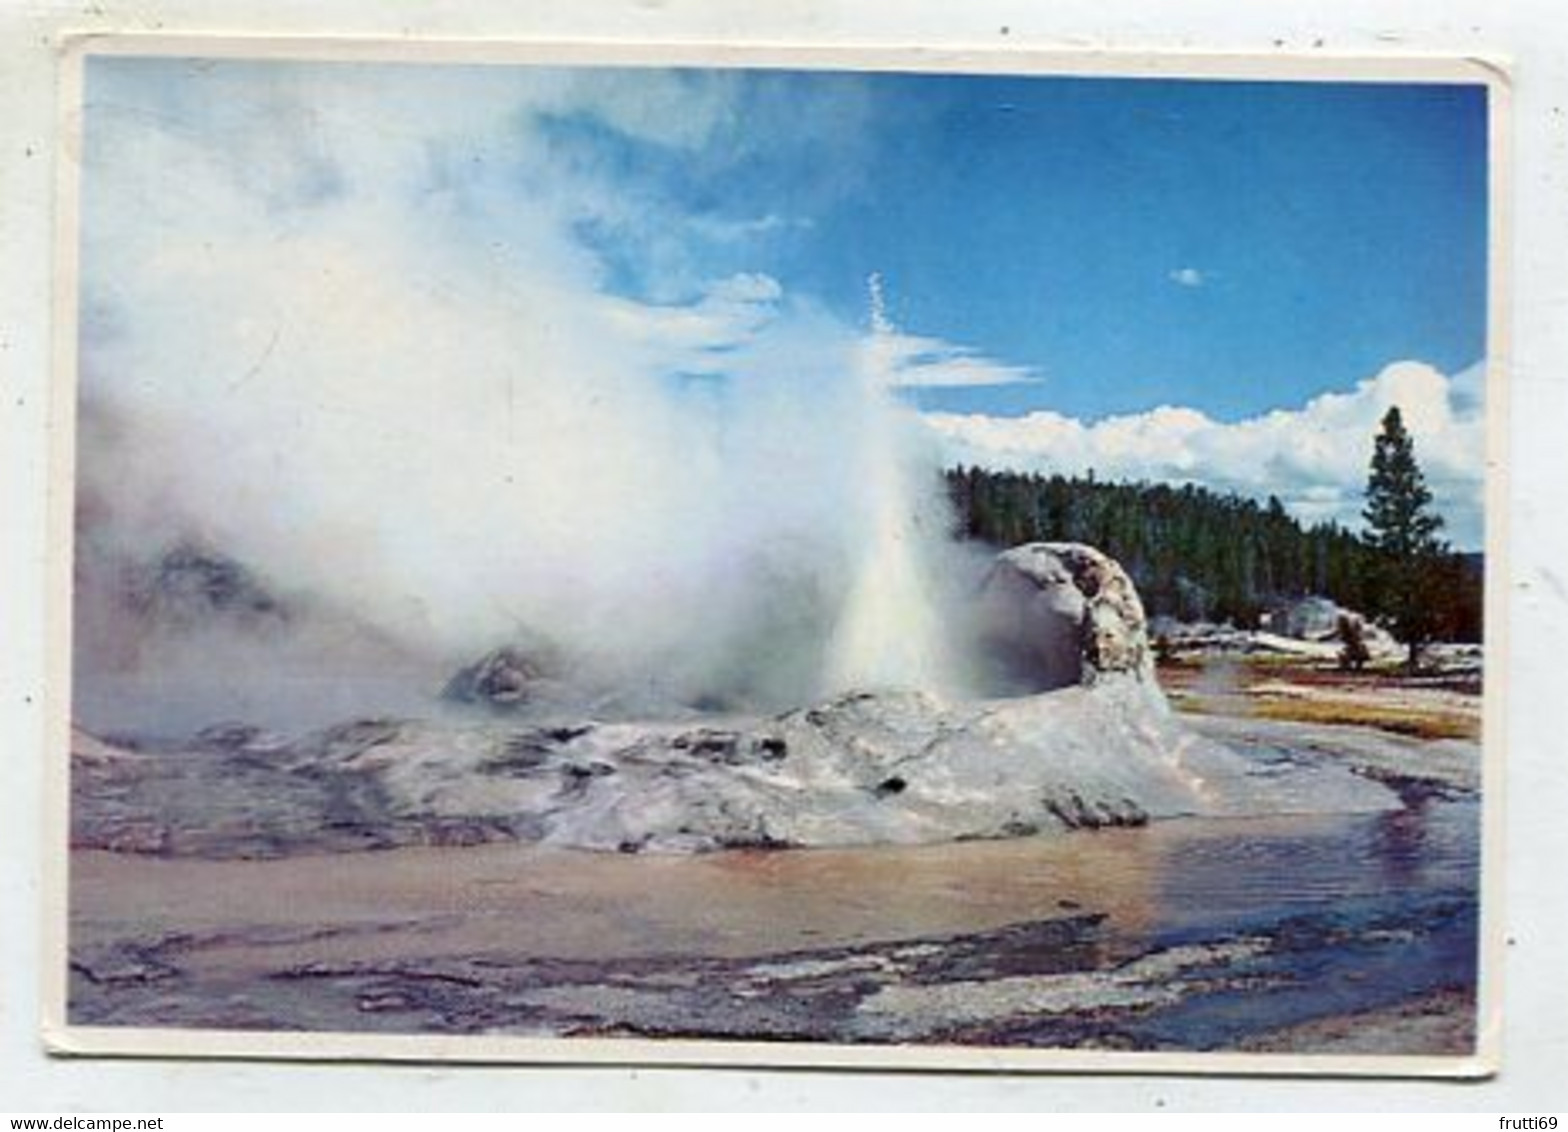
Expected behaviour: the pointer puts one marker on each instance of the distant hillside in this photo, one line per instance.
(1196, 554)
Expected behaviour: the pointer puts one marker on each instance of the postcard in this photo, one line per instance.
(777, 556)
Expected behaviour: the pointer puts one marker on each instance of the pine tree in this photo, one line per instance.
(1402, 528)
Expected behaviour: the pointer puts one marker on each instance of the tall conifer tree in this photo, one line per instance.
(1402, 526)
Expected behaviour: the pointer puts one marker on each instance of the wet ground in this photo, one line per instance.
(1189, 934)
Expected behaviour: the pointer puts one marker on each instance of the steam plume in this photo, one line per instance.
(339, 323)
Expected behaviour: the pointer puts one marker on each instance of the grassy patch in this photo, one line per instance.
(1419, 723)
(1199, 705)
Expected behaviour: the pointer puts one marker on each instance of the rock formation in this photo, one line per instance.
(892, 768)
(1318, 619)
(1100, 748)
(1058, 614)
(187, 585)
(501, 678)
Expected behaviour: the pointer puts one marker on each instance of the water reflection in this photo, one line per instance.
(1171, 878)
(1212, 873)
(1400, 840)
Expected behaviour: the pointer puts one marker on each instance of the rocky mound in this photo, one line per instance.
(1092, 744)
(896, 768)
(187, 585)
(503, 678)
(1056, 614)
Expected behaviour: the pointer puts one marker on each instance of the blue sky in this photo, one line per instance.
(1224, 283)
(1233, 247)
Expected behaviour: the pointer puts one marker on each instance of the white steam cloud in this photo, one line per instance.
(338, 322)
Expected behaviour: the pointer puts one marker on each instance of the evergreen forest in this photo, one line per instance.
(1199, 555)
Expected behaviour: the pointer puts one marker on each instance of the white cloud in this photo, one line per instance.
(1187, 277)
(1314, 457)
(913, 362)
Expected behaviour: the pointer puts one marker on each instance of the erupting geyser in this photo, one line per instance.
(890, 633)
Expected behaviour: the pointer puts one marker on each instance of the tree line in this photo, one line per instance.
(1200, 555)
